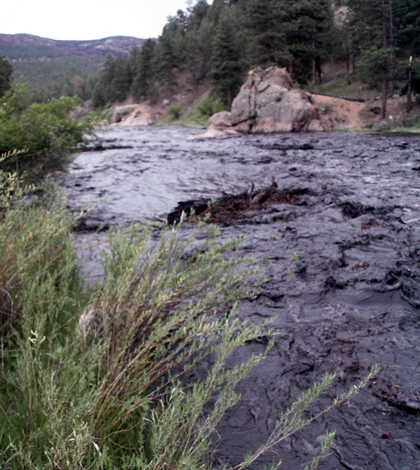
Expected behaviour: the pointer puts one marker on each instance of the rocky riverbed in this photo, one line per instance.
(350, 296)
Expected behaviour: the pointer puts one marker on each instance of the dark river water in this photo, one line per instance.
(353, 299)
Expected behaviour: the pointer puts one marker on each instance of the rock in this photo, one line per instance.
(219, 125)
(220, 120)
(316, 126)
(141, 115)
(122, 111)
(213, 133)
(268, 103)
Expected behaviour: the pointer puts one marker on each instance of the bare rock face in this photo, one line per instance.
(268, 103)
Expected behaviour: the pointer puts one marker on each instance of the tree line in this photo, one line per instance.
(221, 41)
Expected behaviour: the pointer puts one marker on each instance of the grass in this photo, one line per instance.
(198, 117)
(95, 377)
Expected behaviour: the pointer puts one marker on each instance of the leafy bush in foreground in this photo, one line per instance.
(44, 133)
(94, 378)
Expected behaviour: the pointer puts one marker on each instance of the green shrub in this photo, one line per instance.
(208, 107)
(174, 111)
(44, 133)
(95, 379)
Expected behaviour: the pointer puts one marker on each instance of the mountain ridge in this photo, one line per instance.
(18, 47)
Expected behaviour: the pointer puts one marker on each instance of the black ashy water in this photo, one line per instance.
(354, 296)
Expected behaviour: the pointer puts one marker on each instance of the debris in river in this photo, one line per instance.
(232, 207)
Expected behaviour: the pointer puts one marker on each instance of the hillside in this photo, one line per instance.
(22, 47)
(50, 66)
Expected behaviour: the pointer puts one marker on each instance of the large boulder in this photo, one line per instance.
(141, 115)
(220, 120)
(268, 103)
(121, 111)
(135, 115)
(218, 126)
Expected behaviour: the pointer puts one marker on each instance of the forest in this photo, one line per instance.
(377, 41)
(222, 41)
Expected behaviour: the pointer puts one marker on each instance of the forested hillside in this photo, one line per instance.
(218, 43)
(56, 68)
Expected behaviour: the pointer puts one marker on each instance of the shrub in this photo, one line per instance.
(44, 133)
(208, 107)
(174, 111)
(95, 378)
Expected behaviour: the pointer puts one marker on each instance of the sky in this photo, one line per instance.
(87, 19)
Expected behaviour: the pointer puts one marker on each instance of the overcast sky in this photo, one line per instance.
(87, 19)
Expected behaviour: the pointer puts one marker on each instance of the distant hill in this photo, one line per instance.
(20, 47)
(48, 64)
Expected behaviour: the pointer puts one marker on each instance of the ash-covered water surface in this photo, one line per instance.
(342, 263)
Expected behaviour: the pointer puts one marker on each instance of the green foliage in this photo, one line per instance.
(59, 76)
(174, 111)
(44, 133)
(227, 65)
(264, 22)
(143, 86)
(6, 71)
(165, 61)
(209, 106)
(97, 378)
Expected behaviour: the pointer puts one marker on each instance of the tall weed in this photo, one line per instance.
(99, 378)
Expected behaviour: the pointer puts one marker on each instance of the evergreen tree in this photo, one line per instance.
(227, 65)
(121, 80)
(371, 22)
(6, 72)
(308, 26)
(264, 21)
(143, 77)
(165, 62)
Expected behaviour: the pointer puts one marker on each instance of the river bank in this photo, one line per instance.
(348, 300)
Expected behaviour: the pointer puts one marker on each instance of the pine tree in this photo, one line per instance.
(370, 20)
(121, 81)
(264, 21)
(165, 62)
(227, 65)
(308, 26)
(6, 72)
(143, 76)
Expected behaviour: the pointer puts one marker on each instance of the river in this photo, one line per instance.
(354, 295)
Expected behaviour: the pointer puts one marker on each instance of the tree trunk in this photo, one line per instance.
(391, 44)
(292, 64)
(384, 94)
(409, 104)
(313, 64)
(384, 75)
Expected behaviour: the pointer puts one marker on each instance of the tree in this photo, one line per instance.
(371, 20)
(143, 74)
(227, 66)
(198, 53)
(308, 27)
(6, 72)
(264, 21)
(165, 61)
